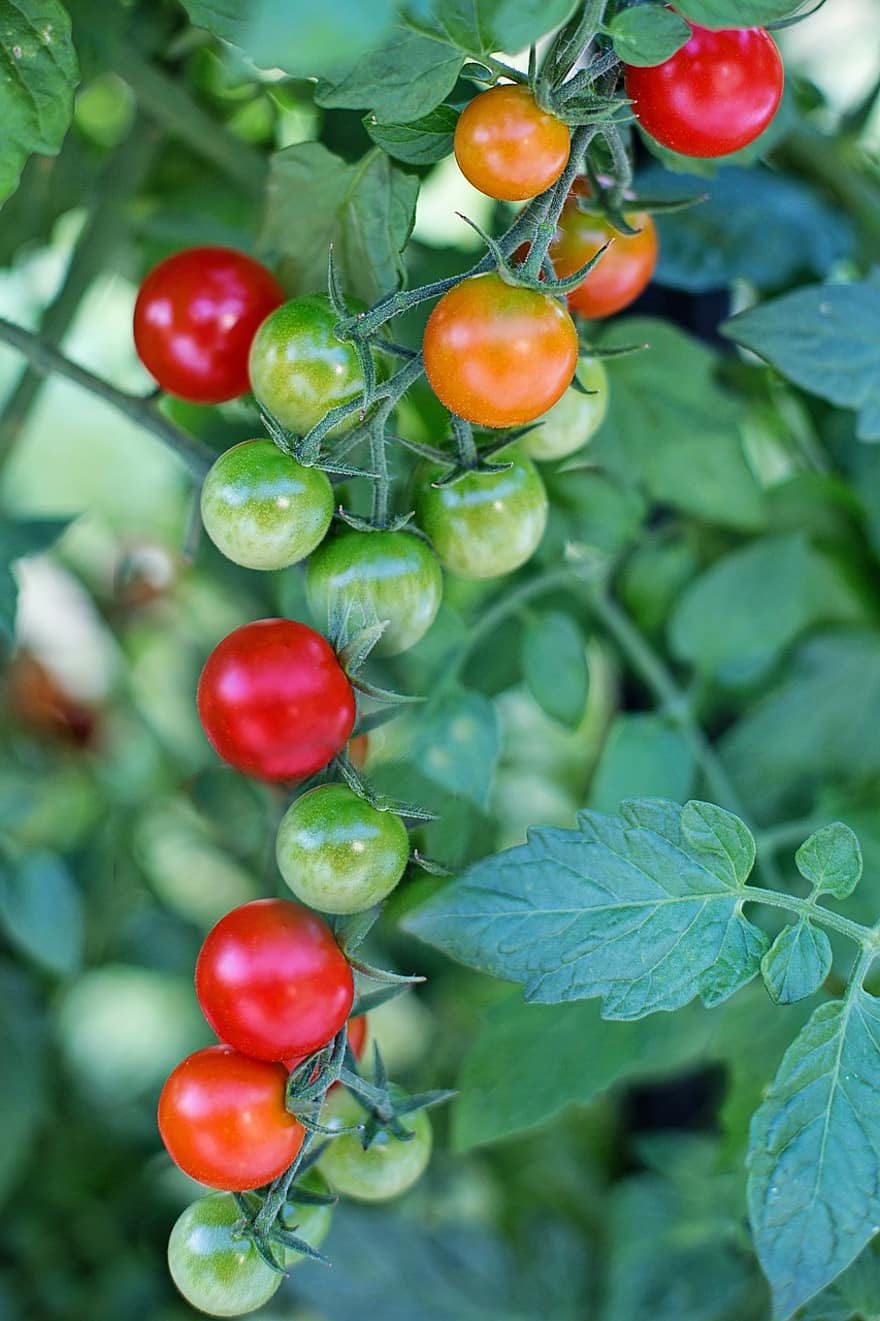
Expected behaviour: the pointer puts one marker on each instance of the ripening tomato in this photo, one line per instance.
(337, 853)
(485, 524)
(377, 576)
(714, 95)
(622, 272)
(299, 370)
(498, 354)
(507, 146)
(264, 510)
(387, 1168)
(195, 317)
(274, 701)
(216, 1273)
(223, 1121)
(572, 421)
(272, 981)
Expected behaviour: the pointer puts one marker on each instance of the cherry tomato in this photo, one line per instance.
(507, 146)
(299, 370)
(262, 509)
(487, 523)
(195, 317)
(272, 981)
(714, 96)
(308, 1220)
(337, 853)
(572, 421)
(387, 1168)
(216, 1273)
(223, 1121)
(273, 700)
(497, 354)
(623, 271)
(391, 576)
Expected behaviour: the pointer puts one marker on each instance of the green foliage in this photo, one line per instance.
(483, 26)
(36, 91)
(648, 35)
(736, 13)
(421, 142)
(459, 742)
(831, 860)
(643, 754)
(797, 962)
(555, 666)
(19, 538)
(41, 912)
(403, 80)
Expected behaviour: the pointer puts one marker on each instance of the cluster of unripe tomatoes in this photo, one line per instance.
(275, 700)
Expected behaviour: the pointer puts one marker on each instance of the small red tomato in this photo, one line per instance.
(195, 317)
(714, 96)
(507, 146)
(223, 1121)
(274, 701)
(272, 981)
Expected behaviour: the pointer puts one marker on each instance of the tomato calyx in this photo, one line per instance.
(384, 1104)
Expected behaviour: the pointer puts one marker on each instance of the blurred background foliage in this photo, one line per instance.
(584, 1170)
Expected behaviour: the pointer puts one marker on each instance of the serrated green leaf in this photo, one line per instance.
(365, 210)
(634, 908)
(483, 26)
(831, 860)
(298, 36)
(825, 339)
(41, 912)
(555, 666)
(422, 142)
(407, 78)
(458, 744)
(18, 539)
(648, 34)
(737, 13)
(643, 755)
(738, 963)
(814, 1153)
(672, 431)
(797, 962)
(40, 73)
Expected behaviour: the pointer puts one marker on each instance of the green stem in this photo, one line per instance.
(48, 361)
(277, 1194)
(865, 937)
(499, 67)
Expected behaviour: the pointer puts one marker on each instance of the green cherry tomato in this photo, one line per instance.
(299, 370)
(574, 420)
(306, 1219)
(387, 1168)
(216, 1273)
(391, 576)
(262, 509)
(487, 523)
(337, 853)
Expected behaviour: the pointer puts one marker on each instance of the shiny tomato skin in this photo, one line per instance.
(713, 96)
(622, 272)
(507, 146)
(274, 701)
(214, 1271)
(223, 1121)
(195, 317)
(497, 354)
(272, 981)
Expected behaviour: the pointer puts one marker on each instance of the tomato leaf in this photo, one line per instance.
(555, 666)
(422, 142)
(483, 26)
(854, 1293)
(36, 90)
(648, 35)
(24, 1049)
(402, 81)
(366, 211)
(737, 13)
(814, 1153)
(41, 912)
(825, 339)
(636, 908)
(458, 744)
(831, 859)
(645, 755)
(797, 962)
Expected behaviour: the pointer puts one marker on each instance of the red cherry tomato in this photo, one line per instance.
(272, 981)
(195, 317)
(223, 1121)
(714, 96)
(274, 701)
(507, 146)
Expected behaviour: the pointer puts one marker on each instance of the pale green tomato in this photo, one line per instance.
(216, 1273)
(389, 1167)
(574, 420)
(264, 510)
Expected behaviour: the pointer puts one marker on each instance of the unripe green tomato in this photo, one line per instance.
(309, 1221)
(487, 523)
(264, 510)
(299, 370)
(574, 420)
(216, 1273)
(337, 853)
(392, 576)
(387, 1168)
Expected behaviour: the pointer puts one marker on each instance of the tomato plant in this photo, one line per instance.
(507, 146)
(195, 317)
(272, 981)
(625, 267)
(389, 1165)
(217, 1271)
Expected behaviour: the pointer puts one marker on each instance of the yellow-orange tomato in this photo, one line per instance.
(621, 274)
(507, 146)
(497, 354)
